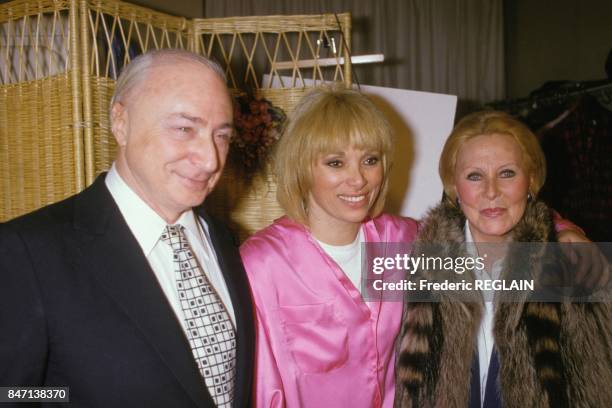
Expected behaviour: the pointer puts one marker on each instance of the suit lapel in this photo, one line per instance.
(240, 295)
(115, 259)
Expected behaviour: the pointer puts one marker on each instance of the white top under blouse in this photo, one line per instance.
(348, 257)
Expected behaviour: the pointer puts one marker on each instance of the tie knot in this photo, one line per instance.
(174, 236)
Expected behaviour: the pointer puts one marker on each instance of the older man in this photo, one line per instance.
(127, 292)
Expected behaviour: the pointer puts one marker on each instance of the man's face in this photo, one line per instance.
(173, 131)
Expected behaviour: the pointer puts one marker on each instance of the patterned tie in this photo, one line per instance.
(209, 328)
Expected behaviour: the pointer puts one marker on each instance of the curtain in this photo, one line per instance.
(446, 46)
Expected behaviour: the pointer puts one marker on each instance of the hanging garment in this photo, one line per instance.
(579, 172)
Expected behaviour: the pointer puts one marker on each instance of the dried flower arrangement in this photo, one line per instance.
(258, 125)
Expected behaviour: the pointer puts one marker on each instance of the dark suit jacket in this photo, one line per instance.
(81, 307)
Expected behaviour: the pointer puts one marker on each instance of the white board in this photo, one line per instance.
(422, 121)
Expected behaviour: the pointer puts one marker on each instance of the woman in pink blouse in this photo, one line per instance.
(319, 344)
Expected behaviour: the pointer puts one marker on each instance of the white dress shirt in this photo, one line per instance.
(147, 227)
(486, 340)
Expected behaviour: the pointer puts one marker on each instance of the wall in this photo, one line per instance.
(555, 40)
(182, 8)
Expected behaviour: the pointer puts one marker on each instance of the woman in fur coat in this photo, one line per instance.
(467, 352)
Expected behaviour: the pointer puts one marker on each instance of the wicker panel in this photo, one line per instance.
(33, 42)
(246, 205)
(114, 33)
(104, 145)
(37, 160)
(40, 126)
(20, 8)
(250, 205)
(285, 99)
(120, 31)
(249, 47)
(58, 63)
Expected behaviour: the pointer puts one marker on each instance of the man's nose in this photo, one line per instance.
(205, 153)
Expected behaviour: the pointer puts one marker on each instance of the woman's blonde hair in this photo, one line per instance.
(488, 123)
(325, 120)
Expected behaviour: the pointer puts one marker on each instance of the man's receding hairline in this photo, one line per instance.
(164, 61)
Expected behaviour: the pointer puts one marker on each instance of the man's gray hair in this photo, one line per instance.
(133, 73)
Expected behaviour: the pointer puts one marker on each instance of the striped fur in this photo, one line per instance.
(551, 355)
(543, 325)
(417, 364)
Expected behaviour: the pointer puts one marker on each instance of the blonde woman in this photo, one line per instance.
(470, 352)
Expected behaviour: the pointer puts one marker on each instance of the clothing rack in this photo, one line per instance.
(557, 97)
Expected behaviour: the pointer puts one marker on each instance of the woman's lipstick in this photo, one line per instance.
(493, 212)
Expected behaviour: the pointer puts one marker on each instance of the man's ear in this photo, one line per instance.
(119, 123)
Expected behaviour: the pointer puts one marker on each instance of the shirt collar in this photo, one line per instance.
(188, 220)
(469, 240)
(146, 225)
(473, 252)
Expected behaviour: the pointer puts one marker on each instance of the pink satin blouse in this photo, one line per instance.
(318, 343)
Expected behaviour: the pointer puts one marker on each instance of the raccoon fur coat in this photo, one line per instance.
(550, 354)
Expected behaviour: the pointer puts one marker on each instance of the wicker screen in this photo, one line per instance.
(279, 46)
(58, 64)
(115, 32)
(40, 124)
(249, 47)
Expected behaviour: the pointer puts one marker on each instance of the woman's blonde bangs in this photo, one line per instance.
(342, 127)
(327, 120)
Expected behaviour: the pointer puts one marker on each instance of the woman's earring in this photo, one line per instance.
(457, 202)
(529, 196)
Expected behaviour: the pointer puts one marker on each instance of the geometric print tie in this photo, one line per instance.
(209, 328)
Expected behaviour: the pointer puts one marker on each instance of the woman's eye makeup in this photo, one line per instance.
(476, 176)
(371, 160)
(341, 160)
(333, 163)
(473, 176)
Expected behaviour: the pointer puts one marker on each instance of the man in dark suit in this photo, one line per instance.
(127, 292)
